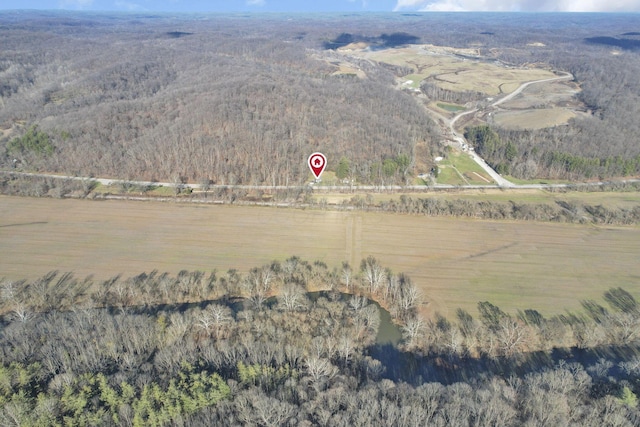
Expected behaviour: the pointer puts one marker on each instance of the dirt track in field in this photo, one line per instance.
(455, 262)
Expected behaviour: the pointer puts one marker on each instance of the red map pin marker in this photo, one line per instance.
(317, 163)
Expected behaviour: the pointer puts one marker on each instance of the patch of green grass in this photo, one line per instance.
(466, 167)
(162, 191)
(327, 178)
(416, 79)
(448, 175)
(453, 108)
(464, 162)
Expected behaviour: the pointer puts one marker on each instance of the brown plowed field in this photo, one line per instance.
(455, 262)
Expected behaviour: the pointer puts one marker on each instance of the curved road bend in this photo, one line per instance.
(502, 182)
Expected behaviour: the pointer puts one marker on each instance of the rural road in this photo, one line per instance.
(322, 188)
(567, 76)
(502, 182)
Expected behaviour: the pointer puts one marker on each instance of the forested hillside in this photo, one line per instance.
(601, 51)
(214, 349)
(229, 99)
(245, 99)
(602, 143)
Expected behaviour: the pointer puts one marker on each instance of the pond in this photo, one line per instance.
(451, 107)
(388, 332)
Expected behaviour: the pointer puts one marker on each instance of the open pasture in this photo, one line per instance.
(561, 93)
(454, 262)
(533, 119)
(460, 169)
(455, 73)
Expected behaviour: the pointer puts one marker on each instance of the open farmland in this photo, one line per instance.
(455, 262)
(533, 119)
(460, 169)
(461, 71)
(562, 93)
(447, 69)
(608, 199)
(539, 106)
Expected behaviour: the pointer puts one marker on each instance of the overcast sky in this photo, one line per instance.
(330, 5)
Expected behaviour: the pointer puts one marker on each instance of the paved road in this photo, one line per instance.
(502, 182)
(323, 188)
(567, 76)
(499, 180)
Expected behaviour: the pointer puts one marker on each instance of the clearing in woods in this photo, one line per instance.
(460, 70)
(540, 106)
(455, 69)
(533, 119)
(454, 262)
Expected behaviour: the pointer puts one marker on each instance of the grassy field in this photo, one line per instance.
(612, 200)
(533, 119)
(451, 108)
(541, 95)
(460, 169)
(413, 80)
(454, 73)
(454, 262)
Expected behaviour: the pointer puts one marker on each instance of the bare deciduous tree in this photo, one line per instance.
(292, 297)
(373, 274)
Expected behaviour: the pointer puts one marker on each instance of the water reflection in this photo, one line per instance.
(388, 332)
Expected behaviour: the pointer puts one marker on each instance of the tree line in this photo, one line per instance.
(569, 211)
(224, 103)
(529, 158)
(558, 211)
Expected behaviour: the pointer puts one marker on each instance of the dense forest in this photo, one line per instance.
(521, 154)
(243, 99)
(218, 349)
(228, 101)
